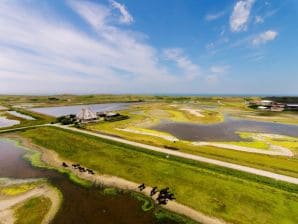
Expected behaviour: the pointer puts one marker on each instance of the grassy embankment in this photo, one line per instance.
(231, 195)
(33, 210)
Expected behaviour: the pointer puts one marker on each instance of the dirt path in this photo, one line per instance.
(191, 156)
(50, 157)
(6, 205)
(21, 128)
(274, 150)
(7, 217)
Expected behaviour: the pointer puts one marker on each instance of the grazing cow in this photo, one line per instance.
(142, 187)
(64, 164)
(90, 171)
(164, 190)
(171, 196)
(153, 191)
(162, 201)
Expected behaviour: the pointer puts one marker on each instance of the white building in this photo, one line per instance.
(266, 102)
(86, 114)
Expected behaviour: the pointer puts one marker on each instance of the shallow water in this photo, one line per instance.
(4, 122)
(65, 110)
(224, 131)
(80, 205)
(17, 114)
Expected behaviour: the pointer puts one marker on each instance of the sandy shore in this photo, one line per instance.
(51, 158)
(274, 150)
(154, 134)
(8, 204)
(195, 112)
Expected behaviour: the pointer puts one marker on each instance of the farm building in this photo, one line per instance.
(292, 106)
(86, 115)
(266, 102)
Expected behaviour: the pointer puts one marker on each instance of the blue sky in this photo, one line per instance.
(133, 46)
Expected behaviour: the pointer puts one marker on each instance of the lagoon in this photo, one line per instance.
(225, 131)
(65, 110)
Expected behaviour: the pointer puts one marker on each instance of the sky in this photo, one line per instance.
(149, 47)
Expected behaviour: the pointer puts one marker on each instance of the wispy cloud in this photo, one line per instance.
(264, 37)
(259, 19)
(219, 69)
(240, 15)
(126, 17)
(177, 55)
(214, 16)
(93, 13)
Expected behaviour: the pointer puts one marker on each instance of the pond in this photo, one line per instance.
(80, 205)
(65, 110)
(4, 122)
(224, 131)
(17, 114)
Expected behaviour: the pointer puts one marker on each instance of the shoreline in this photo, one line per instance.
(52, 159)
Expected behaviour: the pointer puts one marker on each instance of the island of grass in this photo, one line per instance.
(230, 195)
(27, 201)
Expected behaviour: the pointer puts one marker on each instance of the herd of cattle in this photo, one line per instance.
(162, 198)
(79, 167)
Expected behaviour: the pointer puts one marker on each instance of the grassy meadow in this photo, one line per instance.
(234, 196)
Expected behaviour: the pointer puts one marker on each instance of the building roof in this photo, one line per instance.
(86, 114)
(292, 105)
(266, 101)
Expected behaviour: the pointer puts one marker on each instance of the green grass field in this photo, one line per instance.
(32, 211)
(234, 196)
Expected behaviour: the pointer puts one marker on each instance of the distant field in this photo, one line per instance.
(233, 196)
(56, 100)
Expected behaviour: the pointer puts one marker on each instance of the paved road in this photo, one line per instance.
(190, 156)
(22, 128)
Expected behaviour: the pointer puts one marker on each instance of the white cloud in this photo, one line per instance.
(126, 17)
(95, 14)
(259, 19)
(264, 37)
(240, 15)
(189, 69)
(219, 69)
(53, 56)
(214, 16)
